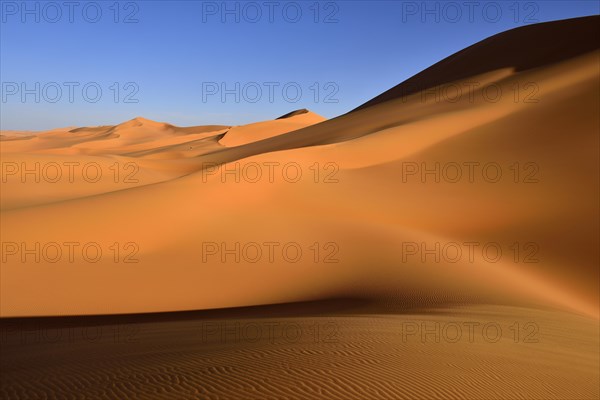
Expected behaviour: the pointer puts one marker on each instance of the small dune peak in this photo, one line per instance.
(294, 113)
(145, 122)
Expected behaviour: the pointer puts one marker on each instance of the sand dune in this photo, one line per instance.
(396, 203)
(351, 165)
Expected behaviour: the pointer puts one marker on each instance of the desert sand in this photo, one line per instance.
(510, 161)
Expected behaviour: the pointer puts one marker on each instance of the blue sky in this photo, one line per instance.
(104, 62)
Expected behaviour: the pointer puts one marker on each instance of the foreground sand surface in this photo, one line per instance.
(310, 351)
(375, 204)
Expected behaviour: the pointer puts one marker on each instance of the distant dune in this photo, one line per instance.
(379, 200)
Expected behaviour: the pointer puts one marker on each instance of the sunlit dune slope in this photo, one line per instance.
(295, 120)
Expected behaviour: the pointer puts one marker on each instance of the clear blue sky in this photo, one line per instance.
(171, 56)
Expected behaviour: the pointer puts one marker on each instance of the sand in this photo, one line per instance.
(325, 350)
(377, 201)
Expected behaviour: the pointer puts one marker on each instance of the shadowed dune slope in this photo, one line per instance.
(523, 48)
